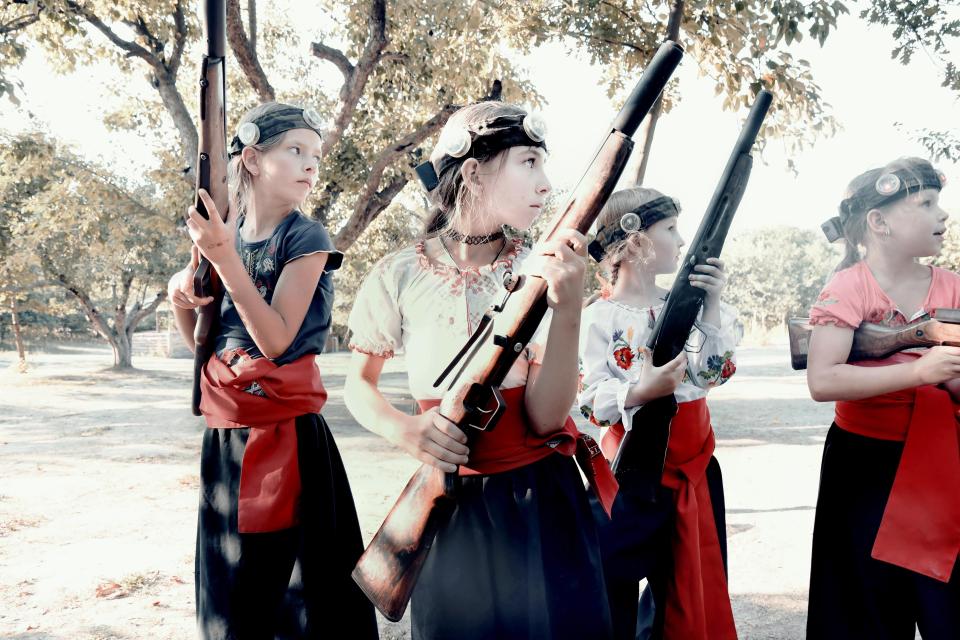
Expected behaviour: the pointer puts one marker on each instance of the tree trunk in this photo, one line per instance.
(17, 336)
(650, 123)
(122, 351)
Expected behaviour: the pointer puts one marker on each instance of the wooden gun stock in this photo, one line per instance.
(211, 170)
(876, 341)
(389, 567)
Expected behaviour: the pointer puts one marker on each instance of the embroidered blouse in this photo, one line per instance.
(611, 336)
(853, 296)
(428, 307)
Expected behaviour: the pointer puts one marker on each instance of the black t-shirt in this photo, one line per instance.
(296, 236)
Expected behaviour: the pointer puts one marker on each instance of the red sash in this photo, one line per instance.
(513, 444)
(698, 603)
(269, 472)
(920, 530)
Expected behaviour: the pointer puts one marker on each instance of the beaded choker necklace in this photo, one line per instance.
(456, 236)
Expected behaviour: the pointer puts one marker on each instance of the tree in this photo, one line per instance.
(929, 26)
(90, 234)
(15, 17)
(776, 272)
(743, 46)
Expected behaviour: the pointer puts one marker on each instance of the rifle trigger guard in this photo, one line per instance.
(493, 415)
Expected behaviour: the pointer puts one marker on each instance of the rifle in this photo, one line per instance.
(211, 175)
(638, 464)
(875, 341)
(391, 564)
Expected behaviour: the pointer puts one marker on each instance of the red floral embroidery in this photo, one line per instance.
(624, 357)
(729, 368)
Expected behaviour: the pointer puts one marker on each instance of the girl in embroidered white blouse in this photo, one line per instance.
(617, 377)
(637, 239)
(518, 558)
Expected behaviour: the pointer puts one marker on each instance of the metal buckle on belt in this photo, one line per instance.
(592, 447)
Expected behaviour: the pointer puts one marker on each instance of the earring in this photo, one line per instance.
(886, 232)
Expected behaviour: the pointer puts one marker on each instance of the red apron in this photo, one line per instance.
(920, 530)
(698, 603)
(512, 444)
(269, 472)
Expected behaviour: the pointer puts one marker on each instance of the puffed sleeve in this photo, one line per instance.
(839, 303)
(375, 318)
(712, 350)
(603, 392)
(307, 237)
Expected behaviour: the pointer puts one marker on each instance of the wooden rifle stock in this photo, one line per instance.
(876, 341)
(211, 169)
(640, 458)
(388, 569)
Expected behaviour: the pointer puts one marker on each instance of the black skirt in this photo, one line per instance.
(636, 543)
(289, 584)
(519, 558)
(853, 596)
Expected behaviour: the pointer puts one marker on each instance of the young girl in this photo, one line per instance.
(278, 533)
(887, 527)
(677, 542)
(518, 557)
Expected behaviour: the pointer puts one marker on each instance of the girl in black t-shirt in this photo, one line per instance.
(277, 533)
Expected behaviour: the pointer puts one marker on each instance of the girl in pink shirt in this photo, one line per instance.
(887, 527)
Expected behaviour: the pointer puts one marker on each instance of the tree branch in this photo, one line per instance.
(354, 85)
(245, 52)
(136, 317)
(335, 56)
(89, 310)
(252, 25)
(132, 48)
(20, 22)
(371, 201)
(179, 38)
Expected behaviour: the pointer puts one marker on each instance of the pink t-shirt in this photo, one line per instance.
(853, 296)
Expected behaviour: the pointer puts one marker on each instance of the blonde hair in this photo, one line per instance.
(855, 226)
(451, 198)
(636, 246)
(240, 179)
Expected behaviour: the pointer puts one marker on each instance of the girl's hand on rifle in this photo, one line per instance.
(434, 440)
(561, 262)
(215, 236)
(656, 382)
(937, 365)
(180, 287)
(711, 278)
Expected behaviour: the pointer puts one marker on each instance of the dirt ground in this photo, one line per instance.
(98, 492)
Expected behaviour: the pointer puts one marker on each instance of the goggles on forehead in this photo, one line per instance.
(639, 219)
(888, 188)
(482, 141)
(275, 123)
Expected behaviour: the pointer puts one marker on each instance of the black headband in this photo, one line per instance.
(275, 123)
(639, 219)
(482, 142)
(887, 189)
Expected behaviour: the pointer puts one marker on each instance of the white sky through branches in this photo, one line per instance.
(868, 92)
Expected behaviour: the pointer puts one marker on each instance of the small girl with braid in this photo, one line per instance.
(677, 541)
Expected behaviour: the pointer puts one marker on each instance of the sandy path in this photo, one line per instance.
(98, 482)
